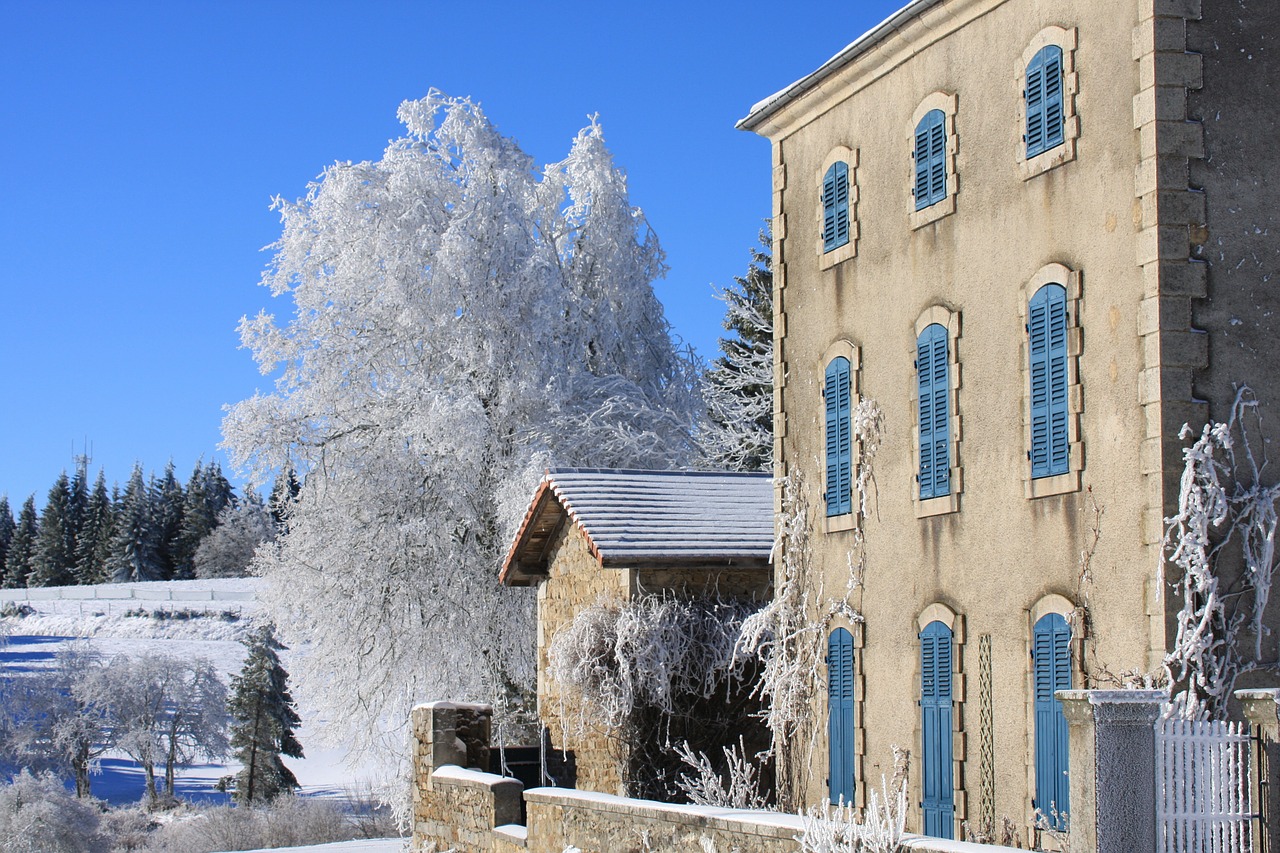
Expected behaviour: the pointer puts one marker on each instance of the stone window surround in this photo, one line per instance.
(846, 348)
(1070, 481)
(1066, 39)
(947, 103)
(949, 320)
(939, 612)
(1063, 606)
(849, 156)
(840, 620)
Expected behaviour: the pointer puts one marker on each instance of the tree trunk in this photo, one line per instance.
(150, 768)
(80, 764)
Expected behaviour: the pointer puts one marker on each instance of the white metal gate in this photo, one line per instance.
(1202, 787)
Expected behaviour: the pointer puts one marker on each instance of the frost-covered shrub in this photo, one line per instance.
(737, 787)
(654, 652)
(288, 821)
(835, 829)
(39, 815)
(1222, 544)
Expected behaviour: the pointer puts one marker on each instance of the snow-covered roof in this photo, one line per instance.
(641, 519)
(864, 43)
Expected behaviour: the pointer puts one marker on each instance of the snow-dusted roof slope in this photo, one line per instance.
(648, 519)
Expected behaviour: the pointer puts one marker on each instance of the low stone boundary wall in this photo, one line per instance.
(474, 812)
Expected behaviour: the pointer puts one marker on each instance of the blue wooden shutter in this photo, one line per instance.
(933, 383)
(1043, 95)
(840, 732)
(835, 207)
(1051, 650)
(1047, 348)
(837, 394)
(931, 159)
(938, 805)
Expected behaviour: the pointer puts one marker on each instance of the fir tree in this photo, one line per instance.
(167, 508)
(283, 494)
(738, 388)
(7, 527)
(208, 491)
(134, 551)
(78, 499)
(54, 558)
(93, 545)
(22, 547)
(263, 721)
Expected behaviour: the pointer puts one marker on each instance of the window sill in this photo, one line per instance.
(944, 505)
(827, 260)
(1048, 160)
(839, 523)
(920, 218)
(1058, 484)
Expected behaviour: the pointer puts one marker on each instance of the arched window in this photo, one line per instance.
(931, 159)
(934, 412)
(835, 206)
(1051, 656)
(840, 732)
(837, 394)
(1043, 94)
(1047, 333)
(938, 801)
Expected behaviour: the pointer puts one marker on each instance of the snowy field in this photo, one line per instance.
(183, 619)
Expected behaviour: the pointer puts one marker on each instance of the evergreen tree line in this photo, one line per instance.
(150, 530)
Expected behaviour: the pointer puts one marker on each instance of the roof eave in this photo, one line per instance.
(764, 110)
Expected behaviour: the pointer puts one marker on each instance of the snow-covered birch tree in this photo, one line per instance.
(460, 319)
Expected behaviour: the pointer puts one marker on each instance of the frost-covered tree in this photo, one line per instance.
(22, 547)
(163, 712)
(460, 320)
(38, 815)
(53, 563)
(283, 494)
(167, 506)
(93, 545)
(228, 550)
(264, 721)
(7, 528)
(135, 548)
(738, 387)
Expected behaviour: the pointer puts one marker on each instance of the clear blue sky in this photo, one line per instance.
(142, 143)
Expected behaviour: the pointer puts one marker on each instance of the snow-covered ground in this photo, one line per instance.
(185, 619)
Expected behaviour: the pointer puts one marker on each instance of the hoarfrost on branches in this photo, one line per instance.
(649, 652)
(1222, 542)
(835, 828)
(460, 320)
(737, 788)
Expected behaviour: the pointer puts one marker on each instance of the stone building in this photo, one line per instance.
(1040, 237)
(594, 536)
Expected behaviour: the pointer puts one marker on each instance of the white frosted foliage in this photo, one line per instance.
(460, 320)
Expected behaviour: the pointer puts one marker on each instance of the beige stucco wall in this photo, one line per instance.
(1002, 558)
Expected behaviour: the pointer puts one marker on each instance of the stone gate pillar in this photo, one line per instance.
(1112, 761)
(1262, 710)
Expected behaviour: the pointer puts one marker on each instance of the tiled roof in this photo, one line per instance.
(648, 518)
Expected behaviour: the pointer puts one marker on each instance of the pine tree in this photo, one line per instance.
(208, 491)
(167, 508)
(93, 545)
(78, 499)
(134, 551)
(263, 721)
(283, 494)
(53, 562)
(17, 563)
(7, 527)
(738, 388)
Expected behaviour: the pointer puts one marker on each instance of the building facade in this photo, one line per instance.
(1039, 236)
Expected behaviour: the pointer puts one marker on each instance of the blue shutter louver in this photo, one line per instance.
(1043, 95)
(1047, 349)
(835, 207)
(837, 392)
(934, 417)
(1051, 651)
(931, 159)
(938, 805)
(840, 731)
